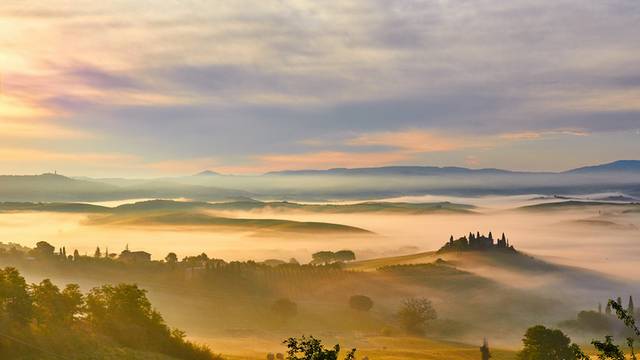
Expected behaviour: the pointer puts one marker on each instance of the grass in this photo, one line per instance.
(373, 347)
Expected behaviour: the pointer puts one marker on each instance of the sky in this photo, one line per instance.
(172, 87)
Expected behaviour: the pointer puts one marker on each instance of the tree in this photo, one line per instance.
(415, 314)
(285, 308)
(310, 348)
(97, 254)
(541, 343)
(55, 308)
(43, 249)
(16, 306)
(484, 350)
(607, 349)
(76, 255)
(344, 255)
(631, 309)
(323, 257)
(171, 258)
(360, 303)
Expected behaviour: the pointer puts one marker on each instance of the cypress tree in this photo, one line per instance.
(608, 309)
(484, 350)
(631, 309)
(97, 254)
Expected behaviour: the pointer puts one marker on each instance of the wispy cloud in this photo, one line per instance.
(535, 135)
(418, 141)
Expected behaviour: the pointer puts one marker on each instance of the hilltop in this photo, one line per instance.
(504, 264)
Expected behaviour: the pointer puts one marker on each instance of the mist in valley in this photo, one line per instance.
(499, 299)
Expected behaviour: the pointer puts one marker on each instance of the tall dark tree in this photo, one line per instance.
(484, 350)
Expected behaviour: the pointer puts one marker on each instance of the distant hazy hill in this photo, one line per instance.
(617, 166)
(207, 173)
(562, 205)
(52, 187)
(623, 166)
(177, 213)
(196, 219)
(621, 177)
(58, 188)
(396, 170)
(244, 205)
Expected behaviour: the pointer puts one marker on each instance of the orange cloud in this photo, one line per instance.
(534, 135)
(419, 141)
(20, 155)
(38, 130)
(316, 160)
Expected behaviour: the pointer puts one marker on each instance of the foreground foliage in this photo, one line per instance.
(310, 348)
(40, 321)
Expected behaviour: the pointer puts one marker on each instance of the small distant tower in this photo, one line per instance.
(484, 350)
(599, 308)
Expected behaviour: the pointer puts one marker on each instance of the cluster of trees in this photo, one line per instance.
(42, 318)
(541, 343)
(477, 241)
(330, 257)
(592, 322)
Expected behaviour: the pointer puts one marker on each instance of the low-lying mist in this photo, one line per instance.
(567, 237)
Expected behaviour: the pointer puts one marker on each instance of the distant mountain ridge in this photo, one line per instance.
(616, 166)
(396, 170)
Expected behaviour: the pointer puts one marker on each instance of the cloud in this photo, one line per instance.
(208, 81)
(326, 160)
(535, 135)
(26, 155)
(33, 129)
(419, 141)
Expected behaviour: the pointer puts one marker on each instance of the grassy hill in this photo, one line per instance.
(576, 204)
(195, 219)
